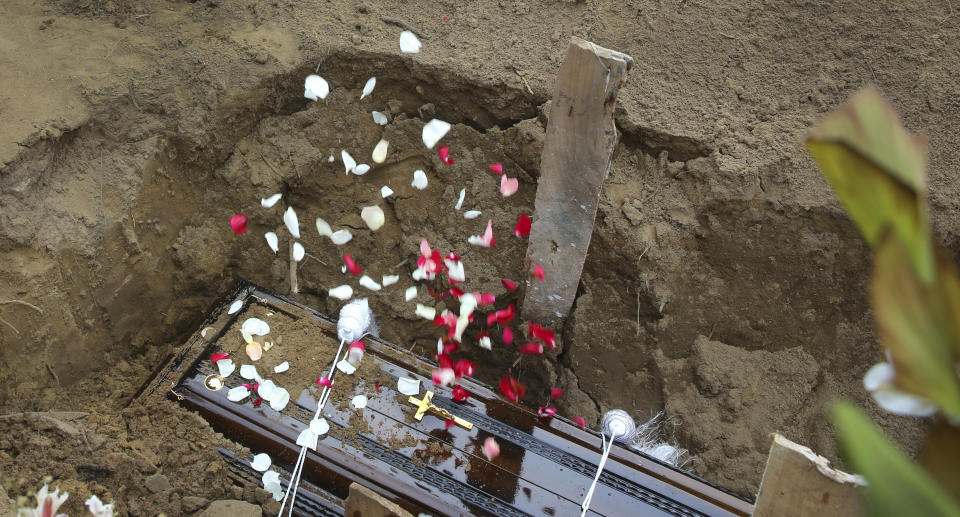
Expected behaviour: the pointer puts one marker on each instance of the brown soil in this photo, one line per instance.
(724, 283)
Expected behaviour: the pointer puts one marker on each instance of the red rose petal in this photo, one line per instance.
(547, 335)
(537, 272)
(444, 152)
(546, 412)
(485, 298)
(579, 421)
(257, 402)
(508, 335)
(522, 228)
(512, 389)
(376, 384)
(448, 423)
(496, 168)
(556, 393)
(445, 361)
(218, 356)
(351, 265)
(463, 368)
(324, 381)
(238, 224)
(531, 348)
(510, 286)
(450, 347)
(460, 394)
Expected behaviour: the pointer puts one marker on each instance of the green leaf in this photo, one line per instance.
(897, 486)
(877, 169)
(918, 323)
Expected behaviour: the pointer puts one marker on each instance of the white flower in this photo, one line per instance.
(293, 225)
(268, 202)
(419, 180)
(343, 292)
(879, 381)
(379, 118)
(368, 88)
(315, 87)
(272, 241)
(380, 151)
(409, 44)
(433, 131)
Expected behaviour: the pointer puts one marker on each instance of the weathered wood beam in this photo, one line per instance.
(577, 152)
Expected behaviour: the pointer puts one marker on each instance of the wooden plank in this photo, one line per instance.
(798, 482)
(364, 502)
(577, 152)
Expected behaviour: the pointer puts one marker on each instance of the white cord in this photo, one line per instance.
(603, 460)
(301, 459)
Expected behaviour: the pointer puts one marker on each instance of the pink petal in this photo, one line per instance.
(508, 335)
(491, 449)
(443, 376)
(488, 239)
(496, 168)
(508, 186)
(512, 388)
(324, 381)
(444, 152)
(351, 265)
(531, 348)
(484, 298)
(556, 393)
(579, 421)
(522, 228)
(424, 248)
(218, 356)
(460, 394)
(537, 272)
(510, 286)
(448, 423)
(546, 335)
(546, 412)
(463, 367)
(239, 224)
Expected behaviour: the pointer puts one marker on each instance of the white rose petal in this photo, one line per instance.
(386, 191)
(373, 216)
(361, 169)
(439, 346)
(341, 237)
(235, 306)
(298, 251)
(255, 327)
(319, 426)
(471, 214)
(225, 367)
(433, 131)
(342, 292)
(419, 180)
(408, 386)
(293, 225)
(390, 279)
(261, 462)
(282, 367)
(249, 371)
(315, 87)
(426, 312)
(409, 44)
(484, 342)
(379, 118)
(463, 194)
(380, 151)
(268, 390)
(900, 403)
(879, 375)
(346, 367)
(359, 402)
(323, 228)
(410, 293)
(237, 394)
(307, 438)
(368, 88)
(369, 283)
(272, 241)
(455, 270)
(331, 159)
(268, 202)
(348, 162)
(280, 400)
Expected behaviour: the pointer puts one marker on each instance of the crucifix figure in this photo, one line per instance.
(423, 406)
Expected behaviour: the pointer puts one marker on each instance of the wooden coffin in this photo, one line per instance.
(545, 466)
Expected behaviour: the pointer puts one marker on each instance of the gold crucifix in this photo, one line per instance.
(425, 405)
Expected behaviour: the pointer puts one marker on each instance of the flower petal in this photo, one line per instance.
(508, 186)
(510, 286)
(443, 376)
(508, 335)
(298, 252)
(261, 462)
(373, 216)
(348, 162)
(319, 426)
(900, 403)
(556, 393)
(496, 168)
(341, 237)
(512, 388)
(323, 228)
(546, 411)
(368, 88)
(235, 306)
(410, 293)
(359, 402)
(354, 268)
(878, 376)
(307, 438)
(433, 131)
(390, 279)
(255, 327)
(460, 394)
(419, 180)
(579, 421)
(293, 225)
(485, 343)
(282, 367)
(237, 394)
(272, 241)
(379, 118)
(254, 351)
(491, 449)
(345, 367)
(471, 214)
(538, 272)
(369, 283)
(238, 223)
(380, 151)
(522, 228)
(386, 191)
(444, 153)
(268, 202)
(531, 348)
(426, 312)
(342, 292)
(280, 399)
(408, 386)
(248, 371)
(463, 194)
(315, 87)
(409, 44)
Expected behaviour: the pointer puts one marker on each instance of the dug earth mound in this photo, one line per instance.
(724, 285)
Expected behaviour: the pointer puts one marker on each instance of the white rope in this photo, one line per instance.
(603, 460)
(301, 459)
